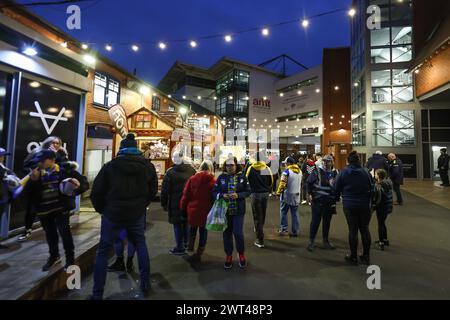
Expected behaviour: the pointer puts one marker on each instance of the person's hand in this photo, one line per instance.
(234, 196)
(52, 147)
(75, 182)
(35, 174)
(310, 198)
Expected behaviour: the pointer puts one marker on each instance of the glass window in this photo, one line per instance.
(381, 78)
(401, 77)
(401, 35)
(143, 121)
(156, 103)
(401, 11)
(171, 108)
(394, 128)
(402, 54)
(382, 95)
(382, 55)
(100, 89)
(402, 94)
(106, 90)
(359, 130)
(380, 37)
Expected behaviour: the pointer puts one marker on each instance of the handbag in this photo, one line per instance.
(217, 219)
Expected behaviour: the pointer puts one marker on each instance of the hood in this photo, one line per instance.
(310, 163)
(387, 184)
(183, 167)
(259, 165)
(69, 165)
(204, 177)
(294, 168)
(355, 169)
(129, 165)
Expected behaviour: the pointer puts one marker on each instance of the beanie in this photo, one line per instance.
(128, 142)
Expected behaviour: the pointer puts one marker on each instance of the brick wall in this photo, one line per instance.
(336, 72)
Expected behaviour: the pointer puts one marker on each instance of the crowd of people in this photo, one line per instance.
(125, 187)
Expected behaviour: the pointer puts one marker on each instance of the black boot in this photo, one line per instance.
(364, 259)
(130, 265)
(70, 261)
(117, 266)
(191, 244)
(351, 260)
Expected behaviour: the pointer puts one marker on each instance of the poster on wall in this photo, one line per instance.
(309, 100)
(409, 165)
(43, 111)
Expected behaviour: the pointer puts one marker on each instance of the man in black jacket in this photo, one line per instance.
(260, 179)
(396, 175)
(121, 193)
(377, 161)
(443, 167)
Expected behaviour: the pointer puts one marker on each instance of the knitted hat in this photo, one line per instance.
(43, 155)
(128, 142)
(289, 160)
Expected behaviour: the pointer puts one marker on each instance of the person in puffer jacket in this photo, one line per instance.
(289, 191)
(171, 192)
(232, 185)
(384, 207)
(356, 185)
(260, 179)
(323, 201)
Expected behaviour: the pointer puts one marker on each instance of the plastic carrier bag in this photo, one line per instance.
(217, 219)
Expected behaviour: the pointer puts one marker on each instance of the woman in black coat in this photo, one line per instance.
(171, 192)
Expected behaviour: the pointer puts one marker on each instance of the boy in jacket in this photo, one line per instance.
(384, 206)
(232, 185)
(260, 179)
(289, 189)
(52, 206)
(323, 201)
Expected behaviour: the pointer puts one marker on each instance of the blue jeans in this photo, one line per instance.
(235, 228)
(119, 247)
(284, 208)
(181, 231)
(108, 235)
(203, 235)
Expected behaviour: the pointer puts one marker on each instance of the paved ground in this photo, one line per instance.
(416, 266)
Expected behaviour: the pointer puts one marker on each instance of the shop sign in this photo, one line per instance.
(310, 130)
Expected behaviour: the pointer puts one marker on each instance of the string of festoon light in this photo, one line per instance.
(194, 42)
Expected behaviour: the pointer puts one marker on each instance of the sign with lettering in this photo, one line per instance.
(119, 119)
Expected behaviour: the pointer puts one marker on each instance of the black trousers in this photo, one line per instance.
(398, 193)
(382, 230)
(358, 219)
(259, 208)
(444, 177)
(319, 213)
(53, 224)
(30, 216)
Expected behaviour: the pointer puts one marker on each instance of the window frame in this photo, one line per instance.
(110, 81)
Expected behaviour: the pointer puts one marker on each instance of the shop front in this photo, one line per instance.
(41, 95)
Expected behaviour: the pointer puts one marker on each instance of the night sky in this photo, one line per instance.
(120, 21)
